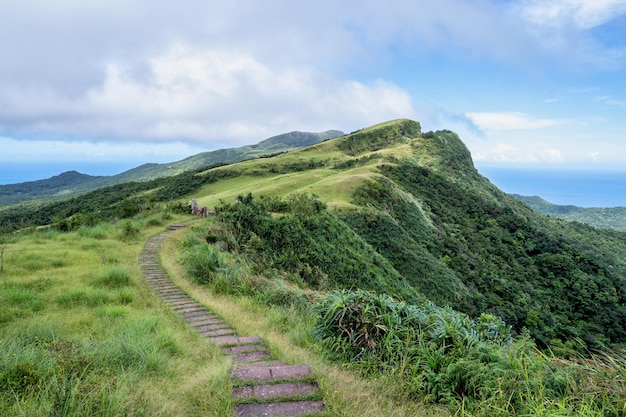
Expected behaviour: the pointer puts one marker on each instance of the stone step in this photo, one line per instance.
(219, 332)
(226, 341)
(285, 409)
(271, 373)
(261, 364)
(210, 327)
(176, 301)
(169, 291)
(250, 357)
(197, 313)
(276, 391)
(209, 319)
(190, 307)
(172, 294)
(243, 349)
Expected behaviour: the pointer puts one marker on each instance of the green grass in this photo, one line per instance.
(287, 331)
(89, 338)
(81, 334)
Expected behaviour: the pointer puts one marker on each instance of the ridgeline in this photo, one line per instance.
(397, 257)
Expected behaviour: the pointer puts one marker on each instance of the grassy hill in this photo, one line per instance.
(418, 201)
(72, 182)
(478, 281)
(603, 217)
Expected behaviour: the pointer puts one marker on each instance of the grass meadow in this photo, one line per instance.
(82, 335)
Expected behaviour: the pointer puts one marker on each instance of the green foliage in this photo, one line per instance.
(378, 137)
(203, 262)
(304, 240)
(397, 229)
(129, 230)
(207, 263)
(483, 253)
(603, 217)
(117, 201)
(67, 377)
(473, 365)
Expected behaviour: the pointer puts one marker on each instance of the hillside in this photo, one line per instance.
(603, 217)
(437, 229)
(72, 182)
(383, 250)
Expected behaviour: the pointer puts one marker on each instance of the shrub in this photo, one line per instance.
(203, 261)
(129, 230)
(442, 355)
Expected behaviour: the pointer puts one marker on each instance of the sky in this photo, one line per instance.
(532, 84)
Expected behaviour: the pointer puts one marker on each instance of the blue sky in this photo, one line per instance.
(532, 84)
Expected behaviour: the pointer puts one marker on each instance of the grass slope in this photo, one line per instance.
(72, 183)
(418, 201)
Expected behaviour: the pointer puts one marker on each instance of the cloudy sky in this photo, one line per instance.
(526, 83)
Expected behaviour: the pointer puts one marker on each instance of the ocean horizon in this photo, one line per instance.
(563, 187)
(17, 172)
(580, 188)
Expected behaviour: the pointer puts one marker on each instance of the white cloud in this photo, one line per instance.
(81, 150)
(510, 121)
(532, 153)
(593, 156)
(551, 155)
(584, 14)
(206, 95)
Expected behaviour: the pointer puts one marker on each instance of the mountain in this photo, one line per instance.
(59, 186)
(603, 217)
(397, 211)
(72, 182)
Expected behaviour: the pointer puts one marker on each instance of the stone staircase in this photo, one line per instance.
(263, 386)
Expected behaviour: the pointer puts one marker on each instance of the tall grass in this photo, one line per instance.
(474, 366)
(81, 334)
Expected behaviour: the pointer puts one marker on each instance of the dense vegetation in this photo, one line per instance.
(270, 250)
(514, 265)
(603, 217)
(437, 354)
(417, 271)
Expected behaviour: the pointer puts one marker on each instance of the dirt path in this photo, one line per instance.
(263, 385)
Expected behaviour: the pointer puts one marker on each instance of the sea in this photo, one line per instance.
(564, 187)
(16, 172)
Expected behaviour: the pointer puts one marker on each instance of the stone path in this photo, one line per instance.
(263, 386)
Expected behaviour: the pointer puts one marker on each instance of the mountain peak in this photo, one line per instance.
(298, 139)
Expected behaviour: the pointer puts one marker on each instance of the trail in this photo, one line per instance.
(263, 385)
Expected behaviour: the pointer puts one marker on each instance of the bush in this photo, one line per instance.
(129, 230)
(203, 262)
(442, 355)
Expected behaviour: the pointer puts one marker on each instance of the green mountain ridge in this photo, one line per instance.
(397, 211)
(602, 217)
(71, 182)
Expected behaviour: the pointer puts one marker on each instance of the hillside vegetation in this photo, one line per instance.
(403, 261)
(603, 217)
(72, 183)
